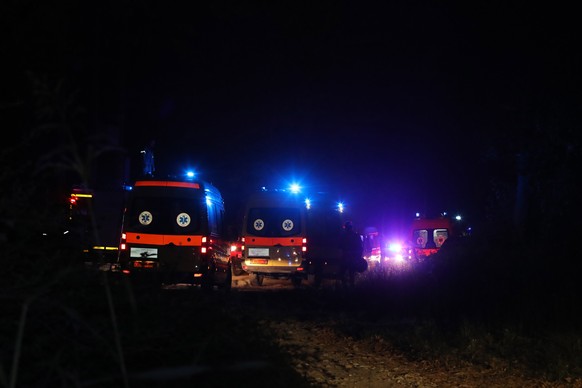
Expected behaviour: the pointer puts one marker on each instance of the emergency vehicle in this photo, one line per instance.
(428, 235)
(325, 225)
(94, 222)
(274, 236)
(372, 246)
(286, 235)
(173, 232)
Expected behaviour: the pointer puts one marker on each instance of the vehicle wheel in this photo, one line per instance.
(236, 271)
(259, 278)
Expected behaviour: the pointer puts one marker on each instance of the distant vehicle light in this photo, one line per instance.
(395, 247)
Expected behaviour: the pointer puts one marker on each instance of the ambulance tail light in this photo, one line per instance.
(304, 245)
(123, 243)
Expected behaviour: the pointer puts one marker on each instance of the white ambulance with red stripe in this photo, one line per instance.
(274, 236)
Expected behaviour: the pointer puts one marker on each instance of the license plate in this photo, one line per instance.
(259, 252)
(259, 261)
(146, 264)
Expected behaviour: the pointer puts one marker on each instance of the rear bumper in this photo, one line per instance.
(275, 271)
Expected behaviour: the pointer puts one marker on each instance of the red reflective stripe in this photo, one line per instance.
(163, 239)
(188, 185)
(271, 241)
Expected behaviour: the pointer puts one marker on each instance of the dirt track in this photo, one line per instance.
(327, 357)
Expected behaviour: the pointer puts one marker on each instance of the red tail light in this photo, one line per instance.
(304, 245)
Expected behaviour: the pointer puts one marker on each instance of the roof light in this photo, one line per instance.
(295, 188)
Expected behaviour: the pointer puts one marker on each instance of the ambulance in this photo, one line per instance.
(287, 235)
(429, 234)
(94, 221)
(173, 233)
(274, 236)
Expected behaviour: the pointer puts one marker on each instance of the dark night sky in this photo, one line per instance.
(388, 105)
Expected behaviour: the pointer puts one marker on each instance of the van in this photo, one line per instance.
(94, 220)
(325, 222)
(428, 235)
(285, 235)
(173, 232)
(274, 236)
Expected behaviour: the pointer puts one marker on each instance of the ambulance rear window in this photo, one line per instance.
(274, 222)
(165, 215)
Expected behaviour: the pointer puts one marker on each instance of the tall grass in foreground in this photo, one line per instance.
(482, 303)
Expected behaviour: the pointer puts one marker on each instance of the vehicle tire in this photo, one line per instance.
(236, 271)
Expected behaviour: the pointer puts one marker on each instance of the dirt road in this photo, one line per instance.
(328, 357)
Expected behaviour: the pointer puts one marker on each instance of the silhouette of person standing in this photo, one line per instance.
(352, 250)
